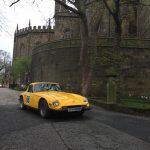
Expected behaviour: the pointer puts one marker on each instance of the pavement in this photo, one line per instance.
(97, 129)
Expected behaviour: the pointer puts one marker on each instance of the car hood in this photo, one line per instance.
(63, 97)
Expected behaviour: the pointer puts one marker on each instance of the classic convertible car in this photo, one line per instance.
(47, 97)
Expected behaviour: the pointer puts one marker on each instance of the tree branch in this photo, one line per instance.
(2, 67)
(14, 3)
(68, 7)
(71, 2)
(109, 9)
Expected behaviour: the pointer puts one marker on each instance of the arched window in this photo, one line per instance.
(125, 26)
(133, 28)
(133, 22)
(67, 33)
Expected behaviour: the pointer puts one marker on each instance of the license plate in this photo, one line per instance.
(74, 109)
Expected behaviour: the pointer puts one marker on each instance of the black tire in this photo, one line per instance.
(22, 106)
(44, 109)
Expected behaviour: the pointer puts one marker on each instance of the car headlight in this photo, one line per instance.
(55, 103)
(86, 100)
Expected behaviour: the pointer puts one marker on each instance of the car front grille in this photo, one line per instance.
(65, 107)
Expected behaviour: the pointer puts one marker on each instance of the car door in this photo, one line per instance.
(29, 96)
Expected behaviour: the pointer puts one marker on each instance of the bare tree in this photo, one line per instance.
(5, 63)
(90, 17)
(3, 19)
(114, 9)
(114, 6)
(4, 59)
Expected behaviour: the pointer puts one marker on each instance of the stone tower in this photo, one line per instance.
(26, 39)
(59, 8)
(66, 23)
(135, 21)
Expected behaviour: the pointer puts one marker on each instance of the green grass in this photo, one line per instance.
(126, 102)
(135, 103)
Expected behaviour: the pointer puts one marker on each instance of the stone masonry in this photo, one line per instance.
(55, 52)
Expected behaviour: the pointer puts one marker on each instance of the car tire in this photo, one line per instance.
(22, 106)
(44, 109)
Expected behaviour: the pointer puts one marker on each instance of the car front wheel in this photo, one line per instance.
(44, 110)
(22, 106)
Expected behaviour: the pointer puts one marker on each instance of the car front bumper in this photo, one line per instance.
(71, 109)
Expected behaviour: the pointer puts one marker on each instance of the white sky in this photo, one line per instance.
(20, 14)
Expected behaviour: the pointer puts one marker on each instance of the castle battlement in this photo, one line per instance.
(32, 29)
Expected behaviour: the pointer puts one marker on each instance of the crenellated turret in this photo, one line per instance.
(26, 39)
(17, 28)
(33, 29)
(29, 23)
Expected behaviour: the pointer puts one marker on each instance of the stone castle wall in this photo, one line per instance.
(59, 62)
(59, 65)
(28, 38)
(55, 52)
(67, 26)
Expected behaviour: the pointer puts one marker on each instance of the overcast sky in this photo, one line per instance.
(20, 14)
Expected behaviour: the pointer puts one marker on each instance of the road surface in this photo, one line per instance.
(98, 129)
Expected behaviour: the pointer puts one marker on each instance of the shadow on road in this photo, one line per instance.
(12, 118)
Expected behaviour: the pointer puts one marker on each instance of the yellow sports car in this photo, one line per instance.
(48, 97)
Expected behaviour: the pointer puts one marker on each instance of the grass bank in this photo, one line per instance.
(126, 105)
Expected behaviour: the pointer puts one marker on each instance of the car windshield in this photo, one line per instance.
(46, 87)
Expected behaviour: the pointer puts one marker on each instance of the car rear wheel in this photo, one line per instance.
(22, 106)
(44, 110)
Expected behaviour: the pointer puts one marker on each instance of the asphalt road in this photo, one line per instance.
(98, 129)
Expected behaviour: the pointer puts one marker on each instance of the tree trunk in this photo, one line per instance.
(117, 57)
(116, 47)
(87, 58)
